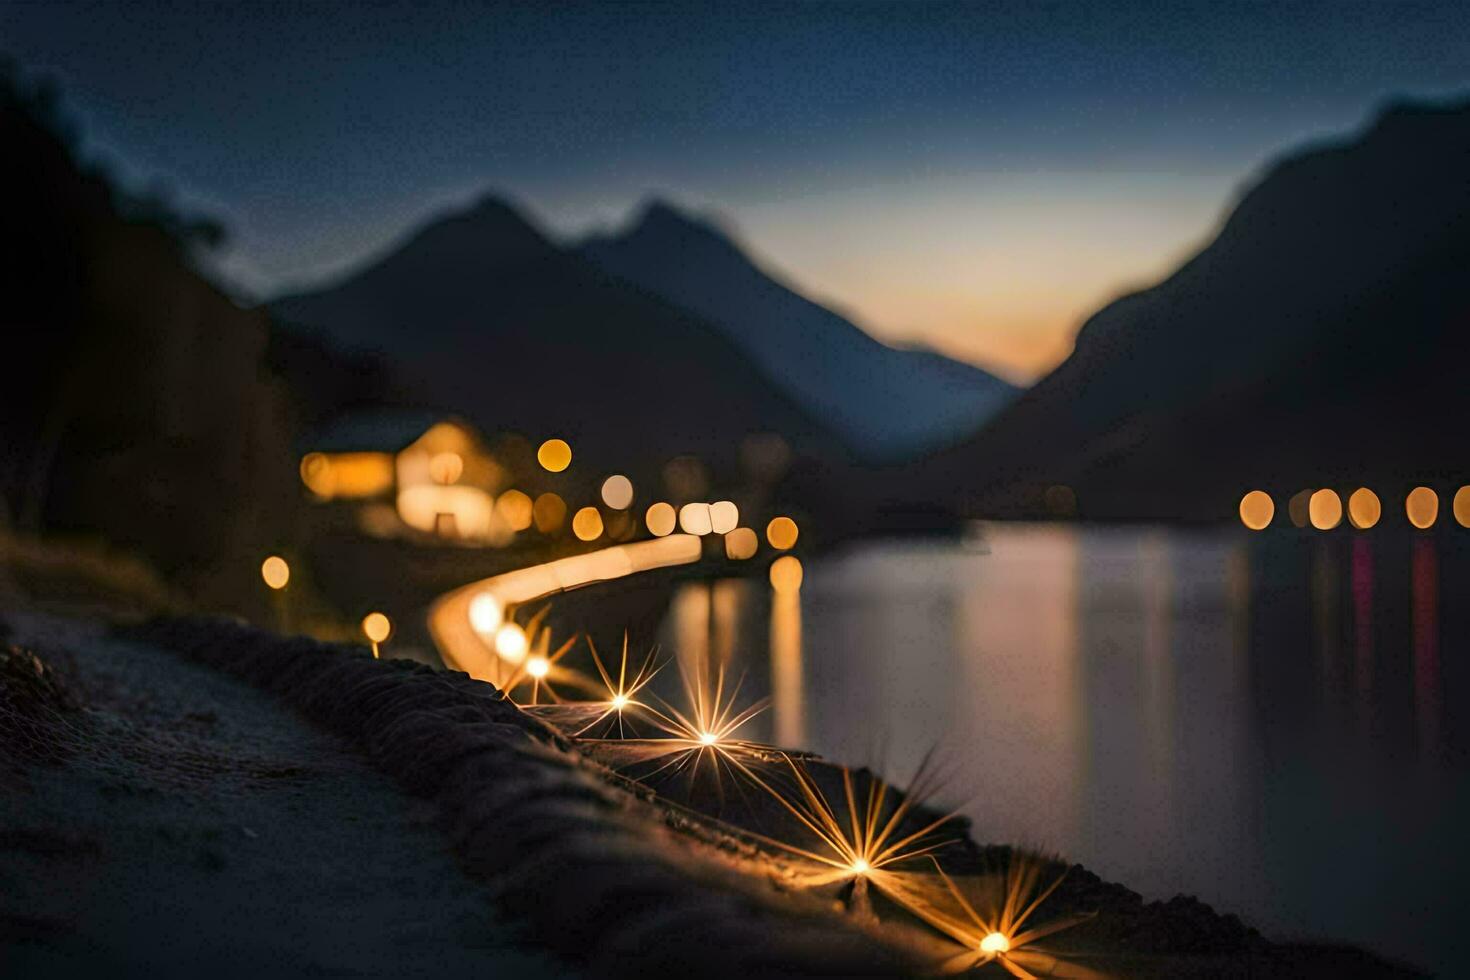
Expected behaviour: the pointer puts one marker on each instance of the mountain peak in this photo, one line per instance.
(660, 224)
(885, 402)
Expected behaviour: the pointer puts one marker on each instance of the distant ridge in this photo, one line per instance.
(478, 313)
(1321, 340)
(886, 402)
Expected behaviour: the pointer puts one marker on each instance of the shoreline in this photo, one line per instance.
(618, 880)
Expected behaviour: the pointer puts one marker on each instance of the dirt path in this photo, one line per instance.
(215, 833)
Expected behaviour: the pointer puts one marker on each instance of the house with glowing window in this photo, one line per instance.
(411, 473)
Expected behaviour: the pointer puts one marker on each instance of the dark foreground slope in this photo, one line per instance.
(221, 837)
(1322, 339)
(167, 821)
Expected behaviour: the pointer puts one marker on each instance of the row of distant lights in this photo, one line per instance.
(487, 616)
(719, 517)
(1324, 509)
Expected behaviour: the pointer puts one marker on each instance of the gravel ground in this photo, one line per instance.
(197, 827)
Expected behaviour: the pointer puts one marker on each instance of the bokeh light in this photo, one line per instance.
(587, 524)
(364, 474)
(514, 507)
(786, 574)
(782, 533)
(1422, 507)
(554, 455)
(1298, 508)
(1325, 510)
(724, 516)
(549, 512)
(486, 614)
(316, 473)
(275, 571)
(1364, 508)
(1461, 506)
(695, 519)
(617, 492)
(511, 643)
(1256, 509)
(376, 627)
(741, 543)
(661, 519)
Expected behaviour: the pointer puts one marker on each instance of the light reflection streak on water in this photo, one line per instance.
(788, 697)
(1164, 706)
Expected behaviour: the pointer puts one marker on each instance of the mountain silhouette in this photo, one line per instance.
(481, 314)
(1320, 340)
(886, 402)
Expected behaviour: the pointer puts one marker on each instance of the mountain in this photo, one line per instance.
(886, 402)
(1319, 340)
(479, 313)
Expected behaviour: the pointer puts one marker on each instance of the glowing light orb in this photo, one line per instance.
(708, 738)
(617, 492)
(316, 473)
(275, 571)
(620, 701)
(782, 533)
(660, 519)
(510, 643)
(786, 574)
(1364, 508)
(1256, 509)
(538, 667)
(376, 627)
(861, 867)
(554, 455)
(695, 519)
(515, 508)
(1297, 507)
(1325, 510)
(723, 516)
(1422, 507)
(741, 544)
(446, 468)
(485, 613)
(994, 943)
(550, 512)
(1461, 506)
(587, 524)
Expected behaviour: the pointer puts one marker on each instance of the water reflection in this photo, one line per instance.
(788, 700)
(1269, 722)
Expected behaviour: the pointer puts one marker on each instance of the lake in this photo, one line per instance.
(1275, 723)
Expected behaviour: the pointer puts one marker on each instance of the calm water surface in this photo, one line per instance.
(1276, 723)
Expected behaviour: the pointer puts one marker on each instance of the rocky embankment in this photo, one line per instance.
(555, 852)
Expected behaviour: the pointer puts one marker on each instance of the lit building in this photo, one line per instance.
(406, 472)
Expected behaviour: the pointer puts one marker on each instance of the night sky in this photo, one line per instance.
(975, 178)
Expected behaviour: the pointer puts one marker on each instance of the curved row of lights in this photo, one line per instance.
(722, 517)
(1323, 509)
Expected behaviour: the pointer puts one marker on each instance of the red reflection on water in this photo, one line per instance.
(1425, 584)
(1363, 618)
